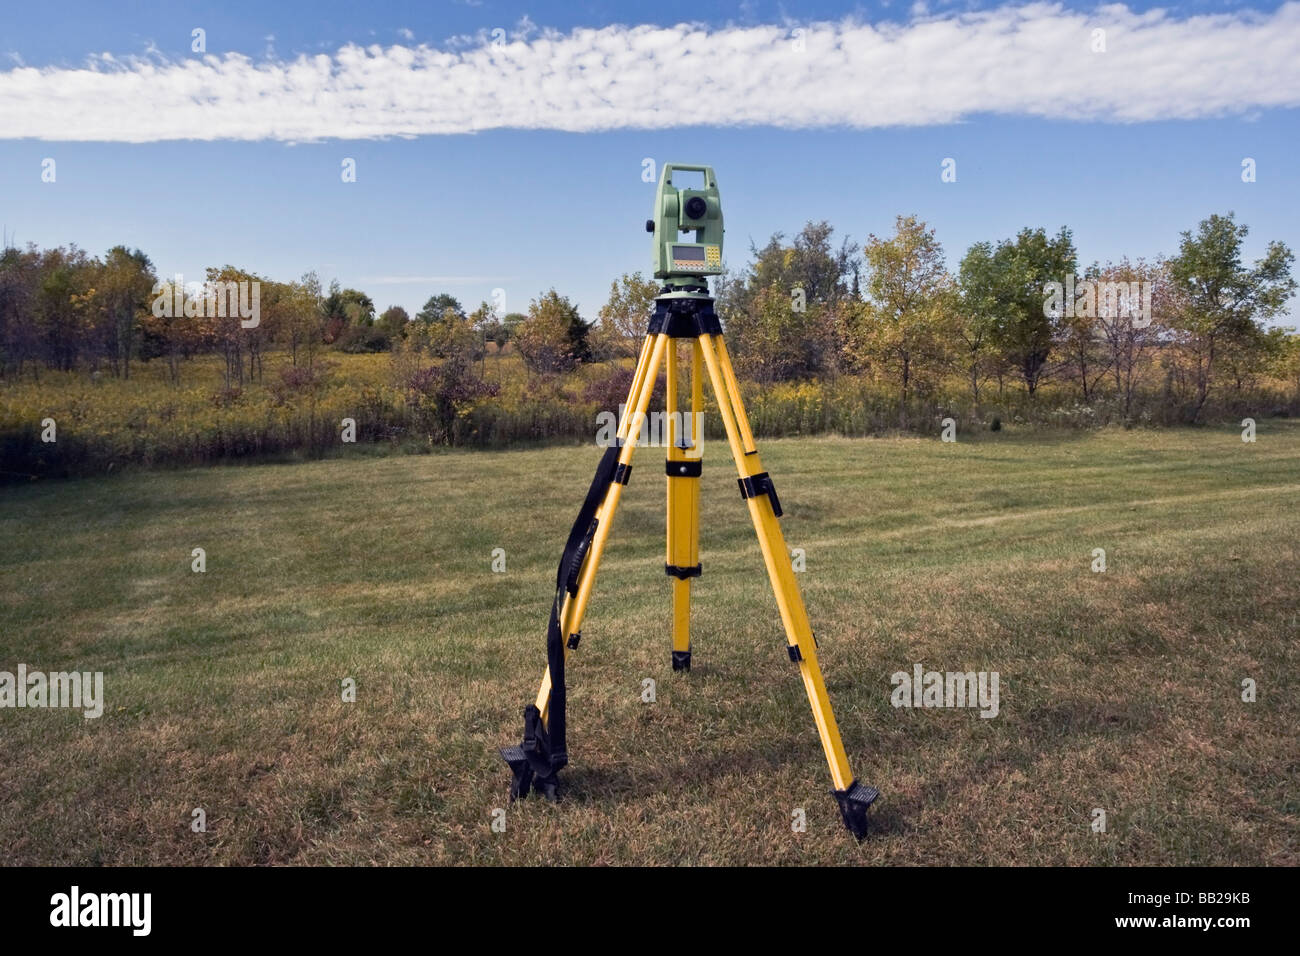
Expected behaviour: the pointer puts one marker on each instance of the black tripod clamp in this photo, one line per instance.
(687, 317)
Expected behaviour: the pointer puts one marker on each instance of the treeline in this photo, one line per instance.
(63, 309)
(1017, 314)
(826, 335)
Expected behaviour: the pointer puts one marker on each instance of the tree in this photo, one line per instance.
(1249, 354)
(785, 311)
(625, 317)
(512, 321)
(554, 337)
(1126, 331)
(1222, 301)
(809, 263)
(1077, 341)
(123, 286)
(977, 312)
(773, 340)
(19, 282)
(437, 305)
(393, 321)
(440, 393)
(483, 321)
(302, 321)
(1286, 363)
(227, 292)
(1023, 327)
(450, 334)
(496, 330)
(484, 317)
(910, 299)
(64, 305)
(172, 332)
(346, 311)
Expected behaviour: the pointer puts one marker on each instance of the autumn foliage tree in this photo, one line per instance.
(905, 326)
(123, 288)
(1221, 300)
(785, 312)
(1127, 332)
(553, 338)
(626, 315)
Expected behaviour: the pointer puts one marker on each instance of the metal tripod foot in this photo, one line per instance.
(525, 779)
(854, 802)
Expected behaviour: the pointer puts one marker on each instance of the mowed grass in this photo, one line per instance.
(1119, 690)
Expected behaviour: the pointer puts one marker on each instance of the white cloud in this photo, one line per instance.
(434, 280)
(1033, 60)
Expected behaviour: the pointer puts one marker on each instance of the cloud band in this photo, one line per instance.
(1037, 60)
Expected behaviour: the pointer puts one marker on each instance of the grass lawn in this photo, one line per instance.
(1119, 690)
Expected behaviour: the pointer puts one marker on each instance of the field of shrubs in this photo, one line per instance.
(101, 423)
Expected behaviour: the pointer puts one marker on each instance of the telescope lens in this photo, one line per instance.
(696, 207)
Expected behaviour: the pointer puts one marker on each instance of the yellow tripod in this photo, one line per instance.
(679, 314)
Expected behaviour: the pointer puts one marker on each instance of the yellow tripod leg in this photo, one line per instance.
(683, 480)
(575, 606)
(764, 509)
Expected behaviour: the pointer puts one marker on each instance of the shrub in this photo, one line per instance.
(607, 391)
(443, 394)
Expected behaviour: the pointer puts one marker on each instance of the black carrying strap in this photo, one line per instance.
(552, 754)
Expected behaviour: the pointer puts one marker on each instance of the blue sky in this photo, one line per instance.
(1128, 149)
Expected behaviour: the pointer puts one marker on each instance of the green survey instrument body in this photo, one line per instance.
(680, 211)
